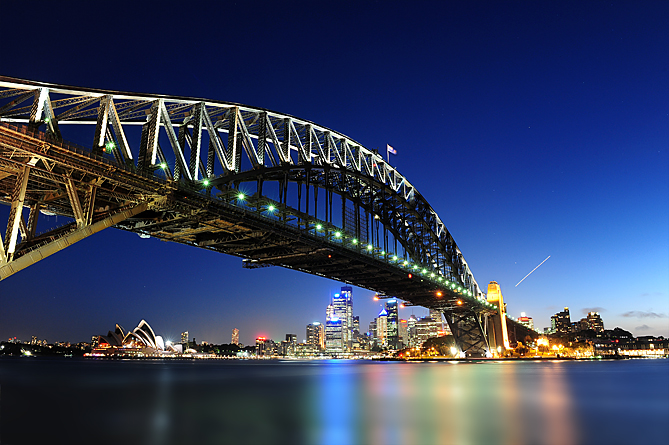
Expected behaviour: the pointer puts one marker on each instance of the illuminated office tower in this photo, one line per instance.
(403, 334)
(334, 342)
(526, 321)
(347, 293)
(595, 322)
(184, 337)
(437, 318)
(356, 324)
(235, 336)
(561, 322)
(392, 330)
(341, 307)
(316, 335)
(329, 312)
(382, 329)
(411, 331)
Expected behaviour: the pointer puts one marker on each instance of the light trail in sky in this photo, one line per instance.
(532, 270)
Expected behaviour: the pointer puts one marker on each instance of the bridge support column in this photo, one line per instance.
(468, 333)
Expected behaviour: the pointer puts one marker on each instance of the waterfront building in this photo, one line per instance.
(411, 331)
(595, 321)
(403, 334)
(235, 336)
(265, 347)
(316, 335)
(290, 345)
(141, 340)
(561, 322)
(382, 329)
(184, 338)
(525, 320)
(392, 328)
(427, 328)
(334, 336)
(341, 310)
(356, 324)
(372, 330)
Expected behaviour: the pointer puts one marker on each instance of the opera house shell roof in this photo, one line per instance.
(141, 337)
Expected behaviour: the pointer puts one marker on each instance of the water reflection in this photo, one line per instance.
(332, 402)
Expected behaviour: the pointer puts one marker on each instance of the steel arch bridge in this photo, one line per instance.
(265, 186)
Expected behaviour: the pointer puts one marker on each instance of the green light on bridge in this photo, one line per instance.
(394, 257)
(241, 196)
(405, 263)
(163, 165)
(337, 234)
(369, 247)
(271, 208)
(319, 227)
(355, 241)
(205, 182)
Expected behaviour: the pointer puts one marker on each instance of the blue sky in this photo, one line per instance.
(532, 128)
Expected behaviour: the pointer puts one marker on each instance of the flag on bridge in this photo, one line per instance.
(391, 149)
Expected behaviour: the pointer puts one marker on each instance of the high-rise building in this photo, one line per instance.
(525, 320)
(289, 346)
(382, 329)
(184, 337)
(411, 331)
(392, 330)
(356, 324)
(341, 304)
(347, 293)
(561, 322)
(264, 347)
(595, 321)
(316, 335)
(404, 334)
(235, 336)
(334, 336)
(427, 328)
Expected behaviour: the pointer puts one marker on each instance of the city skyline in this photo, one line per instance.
(531, 129)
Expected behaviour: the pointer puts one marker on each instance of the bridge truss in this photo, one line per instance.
(267, 187)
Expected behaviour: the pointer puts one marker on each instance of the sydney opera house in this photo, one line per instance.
(141, 341)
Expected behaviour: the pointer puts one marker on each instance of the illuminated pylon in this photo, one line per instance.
(499, 322)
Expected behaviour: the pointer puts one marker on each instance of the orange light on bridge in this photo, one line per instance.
(402, 306)
(376, 298)
(410, 276)
(439, 294)
(459, 302)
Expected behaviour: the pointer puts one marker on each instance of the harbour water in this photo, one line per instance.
(83, 401)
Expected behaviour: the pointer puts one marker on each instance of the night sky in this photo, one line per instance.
(532, 128)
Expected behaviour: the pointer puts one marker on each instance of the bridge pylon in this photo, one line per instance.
(498, 334)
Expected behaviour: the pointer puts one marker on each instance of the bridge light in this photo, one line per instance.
(109, 146)
(369, 247)
(459, 302)
(415, 267)
(376, 298)
(205, 182)
(319, 227)
(405, 263)
(271, 208)
(241, 196)
(163, 165)
(337, 234)
(439, 278)
(47, 120)
(394, 257)
(410, 276)
(424, 271)
(439, 294)
(432, 275)
(355, 241)
(383, 252)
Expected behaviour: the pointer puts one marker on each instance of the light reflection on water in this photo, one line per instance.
(332, 402)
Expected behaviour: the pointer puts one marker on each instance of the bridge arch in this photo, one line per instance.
(200, 172)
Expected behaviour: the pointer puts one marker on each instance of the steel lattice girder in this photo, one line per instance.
(465, 325)
(257, 136)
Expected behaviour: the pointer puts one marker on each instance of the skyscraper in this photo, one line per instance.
(411, 331)
(392, 330)
(334, 342)
(382, 329)
(316, 335)
(184, 337)
(347, 293)
(561, 322)
(235, 336)
(340, 304)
